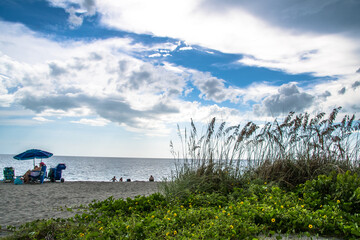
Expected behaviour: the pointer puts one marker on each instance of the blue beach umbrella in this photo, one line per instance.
(32, 154)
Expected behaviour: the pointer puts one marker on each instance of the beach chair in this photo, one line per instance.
(9, 174)
(55, 173)
(38, 176)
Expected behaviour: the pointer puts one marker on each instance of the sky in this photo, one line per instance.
(115, 78)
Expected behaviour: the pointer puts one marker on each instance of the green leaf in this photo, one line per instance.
(355, 232)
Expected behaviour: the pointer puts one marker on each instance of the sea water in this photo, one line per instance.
(97, 168)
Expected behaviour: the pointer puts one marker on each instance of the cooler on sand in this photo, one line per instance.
(55, 173)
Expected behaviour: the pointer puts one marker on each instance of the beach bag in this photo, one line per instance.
(18, 181)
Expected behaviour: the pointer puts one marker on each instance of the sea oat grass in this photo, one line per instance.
(290, 152)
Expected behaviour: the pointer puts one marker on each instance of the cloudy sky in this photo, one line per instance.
(114, 78)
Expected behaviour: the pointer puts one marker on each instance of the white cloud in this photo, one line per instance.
(42, 119)
(97, 83)
(155, 55)
(98, 122)
(75, 19)
(185, 48)
(24, 45)
(235, 30)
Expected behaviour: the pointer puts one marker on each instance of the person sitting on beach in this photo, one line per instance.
(114, 179)
(121, 179)
(34, 173)
(26, 177)
(151, 179)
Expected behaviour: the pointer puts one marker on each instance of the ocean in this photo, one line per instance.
(97, 168)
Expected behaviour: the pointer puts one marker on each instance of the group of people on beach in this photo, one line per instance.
(115, 180)
(151, 179)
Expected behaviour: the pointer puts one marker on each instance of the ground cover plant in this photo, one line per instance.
(300, 176)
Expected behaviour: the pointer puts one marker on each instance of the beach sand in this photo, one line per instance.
(27, 202)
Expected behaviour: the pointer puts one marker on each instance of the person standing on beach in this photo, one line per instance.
(114, 179)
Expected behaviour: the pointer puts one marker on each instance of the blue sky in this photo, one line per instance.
(114, 78)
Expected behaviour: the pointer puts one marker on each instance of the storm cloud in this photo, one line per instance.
(56, 70)
(355, 84)
(325, 16)
(289, 98)
(342, 91)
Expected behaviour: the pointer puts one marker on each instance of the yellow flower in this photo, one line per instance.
(265, 183)
(228, 214)
(169, 219)
(231, 226)
(241, 202)
(262, 209)
(230, 207)
(127, 227)
(338, 201)
(136, 203)
(175, 232)
(101, 228)
(310, 226)
(282, 206)
(193, 224)
(152, 216)
(224, 211)
(219, 206)
(81, 234)
(302, 206)
(182, 206)
(270, 197)
(168, 211)
(167, 234)
(321, 206)
(99, 221)
(273, 220)
(216, 217)
(175, 214)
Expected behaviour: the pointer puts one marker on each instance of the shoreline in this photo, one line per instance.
(29, 202)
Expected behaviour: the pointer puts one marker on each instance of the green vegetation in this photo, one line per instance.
(297, 177)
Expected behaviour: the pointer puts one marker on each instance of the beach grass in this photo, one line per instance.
(299, 176)
(289, 153)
